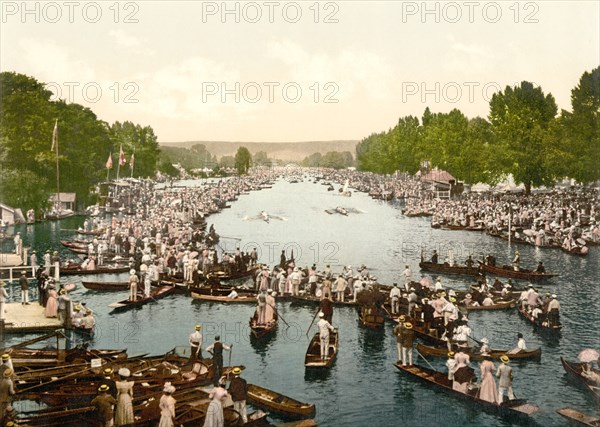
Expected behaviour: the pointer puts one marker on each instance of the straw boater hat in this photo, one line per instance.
(2, 283)
(402, 318)
(198, 327)
(451, 354)
(504, 359)
(103, 388)
(554, 296)
(108, 371)
(5, 356)
(8, 373)
(124, 372)
(236, 371)
(321, 314)
(408, 325)
(485, 340)
(132, 271)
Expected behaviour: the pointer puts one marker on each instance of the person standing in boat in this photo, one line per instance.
(167, 406)
(326, 289)
(505, 376)
(195, 341)
(516, 261)
(395, 299)
(324, 328)
(110, 383)
(434, 257)
(124, 412)
(261, 309)
(407, 338)
(104, 403)
(214, 413)
(326, 307)
(33, 261)
(488, 390)
(296, 278)
(216, 350)
(238, 389)
(133, 285)
(450, 364)
(407, 275)
(24, 288)
(554, 311)
(340, 285)
(270, 309)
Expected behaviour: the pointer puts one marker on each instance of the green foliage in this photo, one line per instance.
(23, 189)
(139, 140)
(312, 161)
(165, 165)
(196, 157)
(227, 162)
(243, 160)
(261, 159)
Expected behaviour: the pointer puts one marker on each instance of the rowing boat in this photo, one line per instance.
(579, 417)
(500, 305)
(155, 293)
(263, 329)
(305, 299)
(104, 270)
(508, 271)
(494, 353)
(575, 371)
(240, 299)
(313, 353)
(106, 286)
(279, 404)
(370, 317)
(516, 408)
(543, 326)
(461, 270)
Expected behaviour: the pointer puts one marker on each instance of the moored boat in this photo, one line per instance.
(461, 270)
(261, 330)
(498, 305)
(575, 371)
(240, 299)
(279, 404)
(542, 326)
(313, 353)
(508, 271)
(579, 417)
(155, 293)
(426, 350)
(371, 317)
(106, 286)
(78, 271)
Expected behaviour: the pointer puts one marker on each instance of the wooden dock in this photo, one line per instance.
(27, 319)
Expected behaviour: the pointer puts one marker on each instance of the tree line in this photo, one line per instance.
(523, 135)
(28, 166)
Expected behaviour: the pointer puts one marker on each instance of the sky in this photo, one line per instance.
(279, 71)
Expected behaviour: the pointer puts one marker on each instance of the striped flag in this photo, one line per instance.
(55, 136)
(122, 160)
(109, 162)
(132, 160)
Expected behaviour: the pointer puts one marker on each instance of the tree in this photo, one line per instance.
(139, 140)
(521, 118)
(312, 161)
(227, 162)
(261, 159)
(243, 160)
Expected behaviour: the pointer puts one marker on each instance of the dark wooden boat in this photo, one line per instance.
(499, 305)
(23, 357)
(370, 317)
(240, 299)
(106, 286)
(575, 369)
(579, 417)
(222, 275)
(512, 409)
(313, 353)
(305, 299)
(508, 271)
(461, 270)
(426, 350)
(91, 233)
(156, 293)
(104, 270)
(577, 251)
(224, 291)
(262, 330)
(539, 326)
(279, 404)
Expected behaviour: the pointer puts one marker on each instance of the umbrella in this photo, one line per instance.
(193, 254)
(588, 355)
(581, 241)
(528, 232)
(464, 374)
(425, 281)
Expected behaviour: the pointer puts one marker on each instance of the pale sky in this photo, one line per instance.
(186, 62)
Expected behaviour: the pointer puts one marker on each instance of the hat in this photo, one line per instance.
(411, 289)
(530, 285)
(295, 268)
(553, 295)
(5, 356)
(236, 371)
(402, 318)
(217, 337)
(124, 372)
(103, 388)
(450, 354)
(321, 314)
(8, 373)
(504, 358)
(132, 271)
(468, 296)
(452, 299)
(198, 327)
(108, 371)
(55, 252)
(442, 294)
(408, 325)
(273, 294)
(23, 273)
(425, 300)
(77, 308)
(395, 285)
(485, 340)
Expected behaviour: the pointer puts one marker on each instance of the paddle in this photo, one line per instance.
(279, 315)
(55, 380)
(230, 351)
(474, 339)
(311, 323)
(426, 361)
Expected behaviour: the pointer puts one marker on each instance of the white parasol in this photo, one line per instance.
(588, 355)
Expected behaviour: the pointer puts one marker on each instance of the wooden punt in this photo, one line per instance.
(105, 270)
(426, 350)
(461, 270)
(304, 299)
(575, 369)
(279, 404)
(155, 293)
(540, 326)
(260, 331)
(313, 353)
(106, 286)
(511, 409)
(579, 417)
(499, 305)
(508, 271)
(240, 299)
(371, 317)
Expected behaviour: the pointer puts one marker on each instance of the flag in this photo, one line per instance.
(122, 160)
(55, 135)
(109, 162)
(132, 160)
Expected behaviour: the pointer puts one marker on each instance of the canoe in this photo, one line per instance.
(461, 270)
(104, 270)
(279, 404)
(224, 291)
(371, 318)
(541, 327)
(577, 251)
(240, 299)
(426, 350)
(155, 293)
(511, 409)
(29, 358)
(304, 299)
(500, 305)
(261, 331)
(106, 286)
(313, 353)
(574, 369)
(508, 271)
(579, 417)
(221, 275)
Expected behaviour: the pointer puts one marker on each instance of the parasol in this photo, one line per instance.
(581, 241)
(464, 374)
(588, 355)
(193, 254)
(528, 232)
(425, 281)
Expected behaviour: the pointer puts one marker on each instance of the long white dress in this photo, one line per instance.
(167, 410)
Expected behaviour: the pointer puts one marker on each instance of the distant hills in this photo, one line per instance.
(290, 151)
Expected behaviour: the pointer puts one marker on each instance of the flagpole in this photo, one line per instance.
(132, 162)
(55, 141)
(118, 167)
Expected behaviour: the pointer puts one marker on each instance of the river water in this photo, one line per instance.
(362, 388)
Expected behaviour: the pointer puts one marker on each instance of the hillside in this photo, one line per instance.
(292, 151)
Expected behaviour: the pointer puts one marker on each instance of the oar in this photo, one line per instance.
(55, 380)
(423, 357)
(474, 339)
(313, 321)
(230, 351)
(279, 315)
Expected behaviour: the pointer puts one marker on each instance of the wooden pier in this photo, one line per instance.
(20, 319)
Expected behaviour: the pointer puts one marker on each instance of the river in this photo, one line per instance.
(363, 388)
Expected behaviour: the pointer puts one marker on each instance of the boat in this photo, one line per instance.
(240, 299)
(78, 271)
(579, 417)
(313, 353)
(279, 404)
(426, 350)
(576, 250)
(575, 369)
(512, 409)
(106, 286)
(305, 299)
(262, 330)
(540, 326)
(461, 270)
(155, 293)
(370, 317)
(509, 271)
(499, 305)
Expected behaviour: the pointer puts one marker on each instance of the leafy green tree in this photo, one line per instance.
(312, 161)
(243, 160)
(227, 162)
(521, 118)
(261, 159)
(137, 139)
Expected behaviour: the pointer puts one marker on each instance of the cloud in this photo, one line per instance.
(124, 39)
